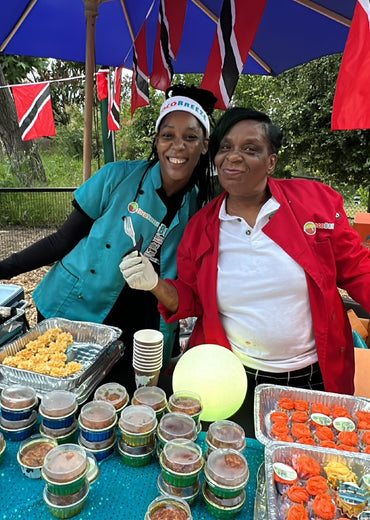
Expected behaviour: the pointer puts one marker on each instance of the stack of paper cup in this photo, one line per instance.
(147, 356)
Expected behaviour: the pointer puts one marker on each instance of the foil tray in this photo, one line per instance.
(267, 398)
(283, 452)
(95, 346)
(260, 501)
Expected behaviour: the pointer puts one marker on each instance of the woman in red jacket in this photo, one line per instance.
(259, 267)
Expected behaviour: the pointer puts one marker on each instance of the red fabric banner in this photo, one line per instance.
(34, 110)
(351, 107)
(236, 30)
(102, 83)
(139, 85)
(171, 20)
(115, 101)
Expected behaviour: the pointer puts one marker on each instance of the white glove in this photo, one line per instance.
(138, 272)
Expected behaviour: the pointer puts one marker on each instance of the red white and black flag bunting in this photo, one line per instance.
(170, 25)
(102, 83)
(115, 101)
(139, 85)
(34, 110)
(236, 30)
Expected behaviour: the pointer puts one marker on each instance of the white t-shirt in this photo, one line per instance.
(262, 296)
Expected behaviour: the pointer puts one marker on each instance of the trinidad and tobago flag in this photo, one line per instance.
(236, 30)
(139, 85)
(170, 25)
(34, 110)
(115, 101)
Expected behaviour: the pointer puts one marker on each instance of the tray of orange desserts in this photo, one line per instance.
(312, 418)
(60, 354)
(311, 483)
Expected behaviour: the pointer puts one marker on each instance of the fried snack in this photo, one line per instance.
(297, 512)
(46, 355)
(324, 433)
(286, 404)
(348, 438)
(301, 405)
(279, 417)
(320, 408)
(307, 440)
(324, 507)
(299, 417)
(278, 429)
(301, 430)
(337, 473)
(298, 494)
(306, 466)
(339, 411)
(317, 485)
(328, 444)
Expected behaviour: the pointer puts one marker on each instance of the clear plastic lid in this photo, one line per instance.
(97, 415)
(182, 456)
(65, 463)
(186, 402)
(227, 467)
(152, 396)
(176, 425)
(33, 450)
(137, 419)
(165, 507)
(114, 393)
(18, 397)
(226, 434)
(58, 403)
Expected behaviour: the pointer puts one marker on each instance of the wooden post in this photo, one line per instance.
(91, 13)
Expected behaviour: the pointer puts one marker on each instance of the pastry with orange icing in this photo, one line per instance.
(323, 507)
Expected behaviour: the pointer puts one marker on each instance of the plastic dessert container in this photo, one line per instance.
(17, 402)
(17, 397)
(187, 493)
(165, 507)
(223, 507)
(66, 506)
(20, 434)
(58, 403)
(137, 425)
(152, 396)
(97, 420)
(175, 425)
(113, 393)
(226, 472)
(181, 461)
(136, 456)
(225, 434)
(65, 468)
(186, 402)
(32, 452)
(2, 446)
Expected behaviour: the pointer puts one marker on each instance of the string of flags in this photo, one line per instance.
(236, 29)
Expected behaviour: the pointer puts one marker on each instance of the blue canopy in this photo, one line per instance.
(291, 32)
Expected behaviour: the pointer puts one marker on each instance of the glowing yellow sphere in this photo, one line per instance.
(216, 375)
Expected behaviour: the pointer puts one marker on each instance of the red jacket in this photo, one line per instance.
(332, 256)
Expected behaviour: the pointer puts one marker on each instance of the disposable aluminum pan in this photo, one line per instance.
(284, 452)
(95, 346)
(267, 400)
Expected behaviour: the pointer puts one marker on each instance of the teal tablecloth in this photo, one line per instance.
(120, 493)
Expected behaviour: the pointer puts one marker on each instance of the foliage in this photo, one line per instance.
(300, 101)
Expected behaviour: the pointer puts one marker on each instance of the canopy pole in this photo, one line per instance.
(91, 13)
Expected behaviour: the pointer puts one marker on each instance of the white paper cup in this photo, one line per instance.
(148, 337)
(146, 377)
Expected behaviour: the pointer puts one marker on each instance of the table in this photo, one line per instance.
(120, 493)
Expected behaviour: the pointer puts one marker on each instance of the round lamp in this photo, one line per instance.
(216, 375)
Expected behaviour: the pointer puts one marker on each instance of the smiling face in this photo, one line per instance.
(180, 143)
(244, 160)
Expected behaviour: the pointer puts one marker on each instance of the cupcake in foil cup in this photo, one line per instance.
(32, 452)
(66, 506)
(164, 507)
